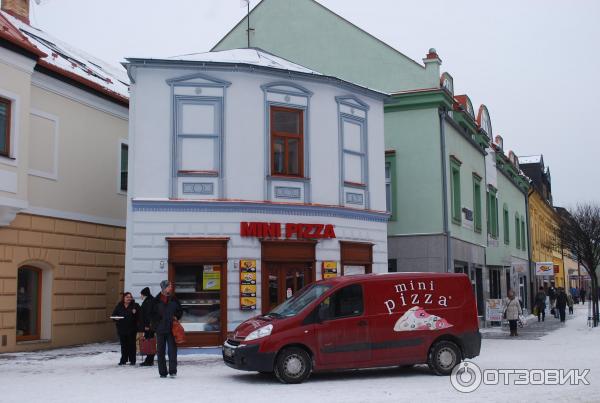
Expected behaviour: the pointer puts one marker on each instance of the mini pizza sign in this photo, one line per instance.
(287, 230)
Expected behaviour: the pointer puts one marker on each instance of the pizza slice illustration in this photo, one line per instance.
(416, 318)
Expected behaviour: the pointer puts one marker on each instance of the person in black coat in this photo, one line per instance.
(127, 324)
(166, 308)
(146, 322)
(561, 304)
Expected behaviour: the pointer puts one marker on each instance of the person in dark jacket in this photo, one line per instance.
(552, 295)
(127, 312)
(582, 294)
(540, 304)
(166, 308)
(146, 322)
(561, 304)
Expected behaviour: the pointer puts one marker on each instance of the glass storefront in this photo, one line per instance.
(198, 288)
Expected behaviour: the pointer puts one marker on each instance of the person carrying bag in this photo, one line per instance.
(148, 339)
(166, 313)
(512, 312)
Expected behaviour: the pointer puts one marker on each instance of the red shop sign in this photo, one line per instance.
(287, 230)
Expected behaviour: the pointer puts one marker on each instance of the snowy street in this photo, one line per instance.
(90, 374)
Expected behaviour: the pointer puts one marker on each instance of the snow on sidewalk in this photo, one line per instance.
(90, 374)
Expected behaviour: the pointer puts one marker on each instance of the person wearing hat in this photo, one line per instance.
(146, 322)
(165, 309)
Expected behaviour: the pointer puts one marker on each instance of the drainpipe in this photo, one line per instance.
(532, 288)
(442, 115)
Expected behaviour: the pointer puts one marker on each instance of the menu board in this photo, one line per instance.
(248, 285)
(329, 270)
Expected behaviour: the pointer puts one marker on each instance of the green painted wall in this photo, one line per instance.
(415, 136)
(514, 199)
(307, 33)
(473, 161)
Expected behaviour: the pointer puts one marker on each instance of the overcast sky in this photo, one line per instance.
(534, 63)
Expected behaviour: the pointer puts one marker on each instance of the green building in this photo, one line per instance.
(448, 184)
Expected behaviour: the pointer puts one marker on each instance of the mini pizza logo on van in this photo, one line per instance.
(415, 293)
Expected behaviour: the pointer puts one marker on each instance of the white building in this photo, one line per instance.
(245, 165)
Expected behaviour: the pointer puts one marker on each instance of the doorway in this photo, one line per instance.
(285, 279)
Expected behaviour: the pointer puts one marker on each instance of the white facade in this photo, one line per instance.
(200, 162)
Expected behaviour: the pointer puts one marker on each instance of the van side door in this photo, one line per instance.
(343, 332)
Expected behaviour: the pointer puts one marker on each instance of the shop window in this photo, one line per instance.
(5, 111)
(392, 265)
(287, 141)
(29, 292)
(346, 302)
(506, 224)
(198, 128)
(198, 288)
(477, 202)
(123, 167)
(356, 257)
(495, 290)
(455, 190)
(353, 149)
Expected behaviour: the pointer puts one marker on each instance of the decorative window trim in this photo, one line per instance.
(120, 144)
(455, 192)
(354, 103)
(54, 174)
(289, 89)
(208, 82)
(299, 137)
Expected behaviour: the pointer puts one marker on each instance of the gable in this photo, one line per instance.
(307, 33)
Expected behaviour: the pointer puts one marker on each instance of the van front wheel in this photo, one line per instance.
(443, 357)
(293, 365)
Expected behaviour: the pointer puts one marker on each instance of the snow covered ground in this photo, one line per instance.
(90, 374)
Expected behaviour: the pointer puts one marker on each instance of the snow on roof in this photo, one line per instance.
(530, 159)
(73, 63)
(252, 56)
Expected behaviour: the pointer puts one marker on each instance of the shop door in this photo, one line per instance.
(285, 279)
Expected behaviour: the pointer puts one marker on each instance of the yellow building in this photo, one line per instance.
(543, 220)
(63, 188)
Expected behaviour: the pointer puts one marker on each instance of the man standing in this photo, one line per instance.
(146, 322)
(166, 308)
(540, 304)
(582, 294)
(561, 304)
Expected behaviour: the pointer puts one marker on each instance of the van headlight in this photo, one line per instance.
(260, 333)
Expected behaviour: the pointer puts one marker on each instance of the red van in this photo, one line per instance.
(362, 321)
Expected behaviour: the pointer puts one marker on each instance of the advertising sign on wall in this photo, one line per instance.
(544, 269)
(248, 285)
(329, 270)
(494, 310)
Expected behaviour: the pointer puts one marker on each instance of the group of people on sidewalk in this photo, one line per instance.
(559, 301)
(154, 318)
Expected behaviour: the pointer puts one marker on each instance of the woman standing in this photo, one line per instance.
(512, 312)
(125, 315)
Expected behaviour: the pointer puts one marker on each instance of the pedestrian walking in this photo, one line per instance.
(512, 312)
(582, 294)
(146, 322)
(570, 303)
(540, 304)
(561, 304)
(125, 315)
(165, 310)
(552, 295)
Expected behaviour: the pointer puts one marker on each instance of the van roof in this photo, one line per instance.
(391, 276)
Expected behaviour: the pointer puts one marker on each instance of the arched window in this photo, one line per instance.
(29, 298)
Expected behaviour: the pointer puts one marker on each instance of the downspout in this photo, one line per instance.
(442, 115)
(532, 288)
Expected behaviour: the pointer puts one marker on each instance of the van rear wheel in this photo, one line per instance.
(443, 357)
(293, 365)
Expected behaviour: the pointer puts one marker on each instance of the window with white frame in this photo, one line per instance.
(198, 132)
(388, 186)
(5, 112)
(123, 161)
(354, 156)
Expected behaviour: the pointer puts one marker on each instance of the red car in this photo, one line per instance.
(362, 321)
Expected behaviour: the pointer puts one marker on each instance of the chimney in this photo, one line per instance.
(17, 8)
(432, 67)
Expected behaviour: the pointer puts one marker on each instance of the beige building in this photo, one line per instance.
(63, 186)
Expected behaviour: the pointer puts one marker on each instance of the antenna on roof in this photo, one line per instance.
(247, 3)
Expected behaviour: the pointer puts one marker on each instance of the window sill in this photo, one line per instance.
(198, 173)
(288, 178)
(355, 185)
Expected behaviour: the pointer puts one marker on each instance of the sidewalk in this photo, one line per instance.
(533, 330)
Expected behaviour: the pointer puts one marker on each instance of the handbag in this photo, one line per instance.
(148, 346)
(178, 332)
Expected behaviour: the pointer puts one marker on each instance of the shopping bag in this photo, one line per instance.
(148, 346)
(178, 332)
(522, 321)
(535, 311)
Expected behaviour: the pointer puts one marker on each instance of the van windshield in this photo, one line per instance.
(298, 302)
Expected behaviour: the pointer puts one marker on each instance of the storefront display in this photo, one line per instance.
(198, 290)
(247, 285)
